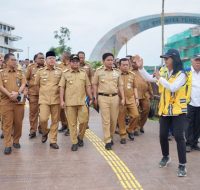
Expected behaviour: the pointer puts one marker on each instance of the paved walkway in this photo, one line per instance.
(132, 166)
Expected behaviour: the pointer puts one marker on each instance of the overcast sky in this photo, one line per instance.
(88, 21)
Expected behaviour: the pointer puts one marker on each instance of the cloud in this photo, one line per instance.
(88, 21)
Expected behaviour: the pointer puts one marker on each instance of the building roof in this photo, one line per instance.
(12, 27)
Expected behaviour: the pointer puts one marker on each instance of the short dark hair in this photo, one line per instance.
(35, 56)
(7, 56)
(81, 52)
(105, 55)
(123, 59)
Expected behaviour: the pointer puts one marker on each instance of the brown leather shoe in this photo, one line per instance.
(45, 137)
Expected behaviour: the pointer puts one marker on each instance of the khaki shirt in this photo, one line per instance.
(143, 87)
(108, 81)
(129, 85)
(63, 66)
(48, 81)
(30, 77)
(88, 70)
(75, 84)
(12, 81)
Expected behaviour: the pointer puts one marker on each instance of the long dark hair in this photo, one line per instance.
(177, 65)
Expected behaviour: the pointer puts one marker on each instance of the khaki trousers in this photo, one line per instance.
(54, 112)
(13, 116)
(144, 105)
(33, 113)
(109, 107)
(132, 111)
(63, 117)
(74, 114)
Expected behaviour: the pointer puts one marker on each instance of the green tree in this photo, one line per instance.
(63, 36)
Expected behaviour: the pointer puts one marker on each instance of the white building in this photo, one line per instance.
(7, 39)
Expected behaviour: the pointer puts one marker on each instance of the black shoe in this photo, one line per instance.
(45, 137)
(182, 172)
(74, 147)
(130, 136)
(80, 142)
(136, 133)
(111, 142)
(2, 136)
(123, 141)
(141, 130)
(63, 128)
(164, 161)
(196, 147)
(108, 146)
(7, 150)
(40, 131)
(32, 135)
(67, 132)
(188, 148)
(16, 145)
(54, 145)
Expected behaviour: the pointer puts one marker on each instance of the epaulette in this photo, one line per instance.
(131, 72)
(116, 69)
(58, 68)
(65, 70)
(101, 67)
(40, 69)
(82, 70)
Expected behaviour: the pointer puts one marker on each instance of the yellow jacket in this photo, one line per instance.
(172, 103)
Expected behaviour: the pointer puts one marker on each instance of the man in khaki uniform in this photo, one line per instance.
(85, 66)
(12, 84)
(107, 83)
(73, 79)
(88, 69)
(145, 92)
(64, 65)
(33, 93)
(48, 79)
(131, 102)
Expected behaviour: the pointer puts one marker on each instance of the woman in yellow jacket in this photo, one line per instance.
(172, 106)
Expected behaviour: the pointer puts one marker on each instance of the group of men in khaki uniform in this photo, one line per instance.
(59, 91)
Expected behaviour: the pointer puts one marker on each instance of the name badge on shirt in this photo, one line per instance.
(129, 85)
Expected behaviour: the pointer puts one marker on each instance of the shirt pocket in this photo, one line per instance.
(19, 80)
(43, 79)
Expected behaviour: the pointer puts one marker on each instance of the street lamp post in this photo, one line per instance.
(163, 24)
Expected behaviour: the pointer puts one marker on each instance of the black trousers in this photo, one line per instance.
(193, 128)
(179, 124)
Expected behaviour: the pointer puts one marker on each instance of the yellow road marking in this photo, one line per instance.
(124, 175)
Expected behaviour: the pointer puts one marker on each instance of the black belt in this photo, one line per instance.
(110, 95)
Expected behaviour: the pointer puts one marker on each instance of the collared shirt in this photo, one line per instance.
(12, 80)
(30, 77)
(129, 85)
(63, 66)
(144, 87)
(173, 87)
(88, 70)
(108, 81)
(195, 91)
(48, 81)
(75, 84)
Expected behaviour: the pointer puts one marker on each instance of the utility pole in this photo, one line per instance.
(163, 24)
(28, 48)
